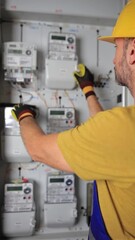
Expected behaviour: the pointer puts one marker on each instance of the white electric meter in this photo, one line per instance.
(19, 197)
(60, 119)
(60, 188)
(19, 62)
(62, 46)
(61, 61)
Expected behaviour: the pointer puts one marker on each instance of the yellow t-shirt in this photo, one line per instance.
(103, 149)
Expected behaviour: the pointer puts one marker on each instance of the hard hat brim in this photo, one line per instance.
(109, 39)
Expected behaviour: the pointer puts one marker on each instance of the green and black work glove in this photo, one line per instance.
(22, 111)
(85, 80)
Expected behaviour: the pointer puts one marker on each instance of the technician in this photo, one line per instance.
(103, 147)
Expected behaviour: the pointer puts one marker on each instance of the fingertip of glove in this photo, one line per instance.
(14, 115)
(81, 66)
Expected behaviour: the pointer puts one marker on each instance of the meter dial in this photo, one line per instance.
(70, 40)
(69, 114)
(28, 52)
(27, 190)
(69, 182)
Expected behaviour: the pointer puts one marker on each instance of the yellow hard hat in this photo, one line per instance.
(125, 24)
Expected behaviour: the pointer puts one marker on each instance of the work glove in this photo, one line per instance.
(22, 111)
(85, 79)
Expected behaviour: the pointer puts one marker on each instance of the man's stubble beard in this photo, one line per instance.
(123, 76)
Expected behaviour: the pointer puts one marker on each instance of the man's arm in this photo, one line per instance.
(93, 105)
(85, 79)
(42, 147)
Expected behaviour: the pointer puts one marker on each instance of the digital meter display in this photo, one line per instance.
(54, 112)
(56, 180)
(55, 37)
(15, 51)
(14, 188)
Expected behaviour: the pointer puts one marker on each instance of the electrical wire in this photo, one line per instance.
(69, 98)
(26, 167)
(19, 89)
(42, 99)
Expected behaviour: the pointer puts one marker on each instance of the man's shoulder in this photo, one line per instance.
(117, 111)
(117, 116)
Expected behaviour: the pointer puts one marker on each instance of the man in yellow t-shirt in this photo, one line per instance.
(102, 148)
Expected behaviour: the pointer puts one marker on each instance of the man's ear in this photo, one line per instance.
(132, 52)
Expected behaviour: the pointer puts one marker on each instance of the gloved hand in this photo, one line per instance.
(21, 111)
(85, 80)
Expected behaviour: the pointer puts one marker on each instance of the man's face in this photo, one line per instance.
(122, 70)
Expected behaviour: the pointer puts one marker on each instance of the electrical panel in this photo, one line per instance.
(19, 62)
(61, 61)
(36, 49)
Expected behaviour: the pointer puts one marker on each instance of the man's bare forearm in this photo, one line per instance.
(42, 147)
(94, 105)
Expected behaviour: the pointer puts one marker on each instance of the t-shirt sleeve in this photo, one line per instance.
(97, 149)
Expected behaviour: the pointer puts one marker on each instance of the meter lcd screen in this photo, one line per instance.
(55, 37)
(56, 180)
(54, 112)
(14, 188)
(15, 51)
